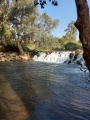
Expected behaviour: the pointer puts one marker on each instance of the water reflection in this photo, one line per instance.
(17, 99)
(43, 91)
(11, 105)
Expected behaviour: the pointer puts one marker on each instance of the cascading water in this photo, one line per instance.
(61, 57)
(57, 57)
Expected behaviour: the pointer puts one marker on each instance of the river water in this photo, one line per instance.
(43, 91)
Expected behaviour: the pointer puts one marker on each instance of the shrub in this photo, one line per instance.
(72, 46)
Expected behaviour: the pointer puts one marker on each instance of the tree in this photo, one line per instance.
(71, 28)
(68, 42)
(23, 15)
(83, 25)
(46, 23)
(70, 35)
(5, 30)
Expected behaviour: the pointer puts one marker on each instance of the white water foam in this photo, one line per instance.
(57, 57)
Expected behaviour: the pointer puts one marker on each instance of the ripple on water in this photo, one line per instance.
(49, 91)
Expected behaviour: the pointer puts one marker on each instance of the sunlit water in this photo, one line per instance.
(45, 91)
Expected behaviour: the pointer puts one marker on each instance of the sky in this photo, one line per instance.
(65, 12)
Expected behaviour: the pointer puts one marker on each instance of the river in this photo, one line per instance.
(43, 91)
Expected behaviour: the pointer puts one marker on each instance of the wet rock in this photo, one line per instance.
(76, 58)
(71, 55)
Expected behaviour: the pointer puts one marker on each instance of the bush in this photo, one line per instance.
(72, 46)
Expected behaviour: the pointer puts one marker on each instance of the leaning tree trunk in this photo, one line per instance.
(83, 25)
(20, 48)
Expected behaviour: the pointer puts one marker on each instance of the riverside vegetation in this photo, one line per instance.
(23, 32)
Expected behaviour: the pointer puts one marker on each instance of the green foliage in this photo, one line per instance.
(46, 24)
(5, 34)
(28, 47)
(65, 39)
(5, 28)
(21, 24)
(23, 18)
(68, 41)
(47, 43)
(72, 46)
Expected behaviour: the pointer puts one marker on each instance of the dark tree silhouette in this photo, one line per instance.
(43, 2)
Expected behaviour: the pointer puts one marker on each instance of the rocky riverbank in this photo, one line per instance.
(13, 56)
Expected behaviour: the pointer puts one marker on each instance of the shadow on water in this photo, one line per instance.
(17, 98)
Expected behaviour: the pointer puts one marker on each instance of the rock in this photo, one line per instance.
(71, 55)
(79, 60)
(78, 52)
(2, 59)
(76, 58)
(8, 56)
(25, 57)
(17, 58)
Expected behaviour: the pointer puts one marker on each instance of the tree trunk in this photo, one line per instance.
(83, 25)
(20, 47)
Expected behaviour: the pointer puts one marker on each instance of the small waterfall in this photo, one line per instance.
(57, 57)
(62, 57)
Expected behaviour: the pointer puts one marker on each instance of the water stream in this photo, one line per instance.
(43, 91)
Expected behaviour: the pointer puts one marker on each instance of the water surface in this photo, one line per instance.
(43, 91)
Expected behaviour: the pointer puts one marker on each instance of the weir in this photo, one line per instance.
(59, 57)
